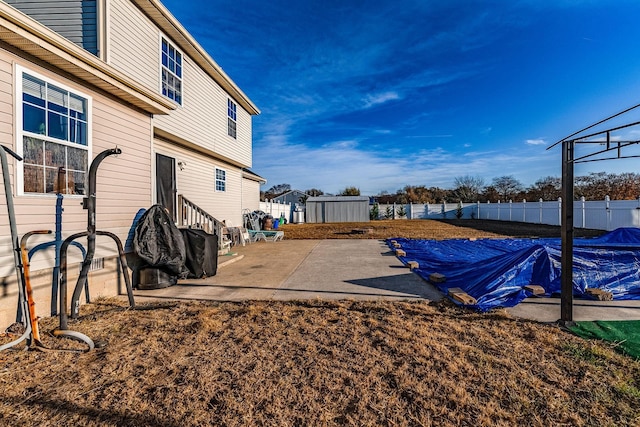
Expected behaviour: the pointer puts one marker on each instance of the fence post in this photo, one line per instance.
(584, 214)
(524, 210)
(510, 209)
(478, 209)
(498, 210)
(559, 210)
(607, 201)
(541, 206)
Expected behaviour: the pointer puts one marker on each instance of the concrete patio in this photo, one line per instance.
(345, 269)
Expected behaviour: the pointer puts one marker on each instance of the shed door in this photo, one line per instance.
(166, 183)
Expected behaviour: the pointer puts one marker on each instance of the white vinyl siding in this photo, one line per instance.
(133, 43)
(250, 194)
(123, 181)
(196, 182)
(203, 118)
(123, 187)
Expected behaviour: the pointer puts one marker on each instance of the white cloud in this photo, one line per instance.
(537, 141)
(380, 98)
(337, 165)
(342, 145)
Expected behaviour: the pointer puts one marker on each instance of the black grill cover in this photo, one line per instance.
(159, 242)
(202, 253)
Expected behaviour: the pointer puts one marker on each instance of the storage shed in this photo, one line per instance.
(337, 209)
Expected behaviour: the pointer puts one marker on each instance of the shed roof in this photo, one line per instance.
(338, 199)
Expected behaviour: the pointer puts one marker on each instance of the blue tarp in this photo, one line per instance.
(495, 271)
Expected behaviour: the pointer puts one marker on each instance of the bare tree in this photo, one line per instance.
(489, 194)
(626, 186)
(507, 187)
(598, 185)
(314, 192)
(468, 188)
(547, 188)
(422, 194)
(594, 186)
(276, 190)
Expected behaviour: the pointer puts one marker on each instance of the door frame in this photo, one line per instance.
(173, 184)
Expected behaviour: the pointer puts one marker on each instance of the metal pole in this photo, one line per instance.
(566, 274)
(23, 306)
(89, 203)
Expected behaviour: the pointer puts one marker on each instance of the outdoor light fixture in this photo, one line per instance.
(181, 165)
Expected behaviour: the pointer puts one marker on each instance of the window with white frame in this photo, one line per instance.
(231, 118)
(221, 180)
(53, 136)
(171, 71)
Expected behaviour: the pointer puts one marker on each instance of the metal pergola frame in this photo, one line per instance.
(569, 160)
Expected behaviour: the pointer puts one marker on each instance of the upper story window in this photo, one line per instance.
(221, 180)
(231, 119)
(53, 136)
(171, 72)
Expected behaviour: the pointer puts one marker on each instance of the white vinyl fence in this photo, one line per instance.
(597, 214)
(276, 209)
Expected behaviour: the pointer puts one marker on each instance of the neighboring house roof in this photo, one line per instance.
(172, 27)
(291, 192)
(246, 173)
(28, 35)
(338, 199)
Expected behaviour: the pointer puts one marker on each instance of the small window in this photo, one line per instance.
(231, 119)
(53, 136)
(171, 71)
(221, 180)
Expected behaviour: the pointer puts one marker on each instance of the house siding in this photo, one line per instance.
(76, 20)
(134, 47)
(123, 186)
(250, 194)
(133, 43)
(197, 182)
(125, 183)
(202, 118)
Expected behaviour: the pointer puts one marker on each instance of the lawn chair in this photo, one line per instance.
(252, 225)
(266, 235)
(236, 235)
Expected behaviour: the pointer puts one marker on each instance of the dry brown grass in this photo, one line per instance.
(426, 229)
(317, 363)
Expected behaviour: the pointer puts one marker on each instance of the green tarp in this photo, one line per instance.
(625, 334)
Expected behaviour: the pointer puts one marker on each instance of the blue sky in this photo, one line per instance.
(381, 94)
